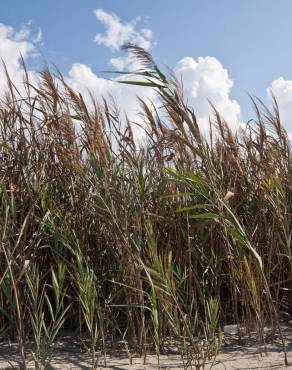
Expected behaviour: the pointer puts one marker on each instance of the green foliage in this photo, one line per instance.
(39, 304)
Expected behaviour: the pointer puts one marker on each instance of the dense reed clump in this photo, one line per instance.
(157, 244)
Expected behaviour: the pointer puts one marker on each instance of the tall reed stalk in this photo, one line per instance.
(172, 238)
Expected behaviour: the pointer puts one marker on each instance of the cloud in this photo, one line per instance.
(121, 63)
(205, 79)
(118, 33)
(13, 45)
(282, 90)
(38, 38)
(126, 63)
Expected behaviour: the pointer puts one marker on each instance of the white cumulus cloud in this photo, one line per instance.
(13, 45)
(118, 33)
(205, 79)
(282, 90)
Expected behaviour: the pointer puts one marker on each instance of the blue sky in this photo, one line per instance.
(250, 38)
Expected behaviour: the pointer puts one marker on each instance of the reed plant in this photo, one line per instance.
(163, 241)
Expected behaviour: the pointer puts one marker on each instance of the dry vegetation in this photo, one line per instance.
(117, 241)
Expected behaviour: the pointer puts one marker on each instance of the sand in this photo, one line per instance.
(231, 356)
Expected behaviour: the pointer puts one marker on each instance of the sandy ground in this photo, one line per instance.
(231, 356)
